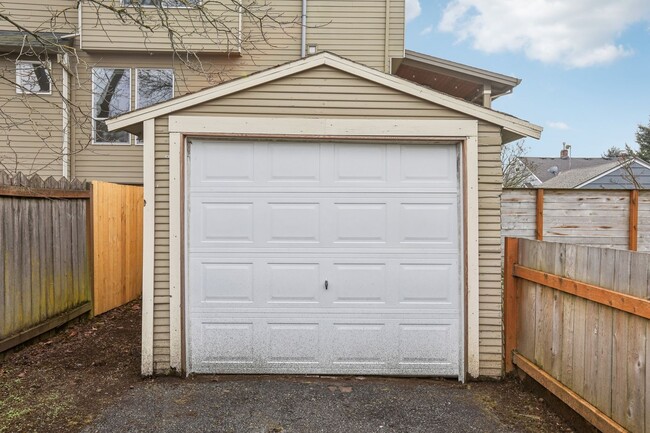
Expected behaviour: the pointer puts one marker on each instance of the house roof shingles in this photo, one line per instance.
(540, 166)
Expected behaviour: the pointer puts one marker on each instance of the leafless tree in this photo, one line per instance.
(44, 44)
(516, 172)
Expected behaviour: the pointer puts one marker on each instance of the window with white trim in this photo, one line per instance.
(33, 77)
(111, 97)
(162, 3)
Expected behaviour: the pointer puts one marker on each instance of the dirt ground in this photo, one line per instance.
(67, 382)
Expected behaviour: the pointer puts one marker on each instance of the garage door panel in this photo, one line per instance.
(291, 222)
(429, 165)
(258, 221)
(377, 283)
(294, 283)
(325, 346)
(340, 165)
(271, 223)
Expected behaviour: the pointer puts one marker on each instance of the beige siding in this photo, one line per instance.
(324, 91)
(490, 292)
(30, 126)
(51, 15)
(140, 29)
(397, 28)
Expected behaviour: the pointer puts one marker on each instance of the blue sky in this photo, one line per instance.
(585, 64)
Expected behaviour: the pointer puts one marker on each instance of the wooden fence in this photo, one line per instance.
(45, 276)
(68, 248)
(576, 320)
(117, 240)
(609, 218)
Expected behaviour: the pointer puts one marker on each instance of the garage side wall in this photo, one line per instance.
(325, 92)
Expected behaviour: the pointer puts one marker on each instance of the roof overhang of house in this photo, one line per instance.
(456, 79)
(36, 42)
(513, 128)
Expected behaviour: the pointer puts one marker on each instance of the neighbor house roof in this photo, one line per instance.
(574, 172)
(540, 166)
(456, 79)
(513, 127)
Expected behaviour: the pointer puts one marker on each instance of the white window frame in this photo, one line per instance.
(92, 92)
(20, 89)
(140, 142)
(133, 3)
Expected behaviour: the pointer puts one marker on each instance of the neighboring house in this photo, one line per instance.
(588, 173)
(320, 214)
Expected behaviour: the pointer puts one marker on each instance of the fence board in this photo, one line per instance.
(117, 243)
(592, 334)
(37, 284)
(586, 217)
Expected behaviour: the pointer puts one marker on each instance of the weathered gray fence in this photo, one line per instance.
(609, 218)
(577, 320)
(45, 271)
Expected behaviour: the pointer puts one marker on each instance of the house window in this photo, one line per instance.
(153, 86)
(111, 97)
(162, 3)
(33, 77)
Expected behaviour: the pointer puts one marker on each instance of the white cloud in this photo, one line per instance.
(425, 31)
(575, 33)
(413, 9)
(558, 125)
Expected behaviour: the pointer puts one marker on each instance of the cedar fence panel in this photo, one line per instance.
(45, 274)
(117, 243)
(618, 219)
(577, 321)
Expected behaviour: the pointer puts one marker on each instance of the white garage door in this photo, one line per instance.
(323, 258)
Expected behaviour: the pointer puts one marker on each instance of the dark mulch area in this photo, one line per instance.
(62, 383)
(91, 368)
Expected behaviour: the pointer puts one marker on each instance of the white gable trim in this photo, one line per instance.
(509, 123)
(612, 170)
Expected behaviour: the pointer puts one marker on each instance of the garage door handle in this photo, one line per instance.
(326, 284)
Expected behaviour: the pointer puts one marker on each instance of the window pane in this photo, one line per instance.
(154, 86)
(33, 77)
(112, 96)
(102, 135)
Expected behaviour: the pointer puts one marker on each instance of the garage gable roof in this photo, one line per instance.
(132, 121)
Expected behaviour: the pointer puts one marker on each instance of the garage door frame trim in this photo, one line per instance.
(463, 131)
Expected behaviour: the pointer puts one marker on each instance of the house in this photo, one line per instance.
(567, 172)
(332, 208)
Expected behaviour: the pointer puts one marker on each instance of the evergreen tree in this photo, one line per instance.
(643, 140)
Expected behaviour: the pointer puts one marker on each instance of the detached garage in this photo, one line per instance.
(322, 218)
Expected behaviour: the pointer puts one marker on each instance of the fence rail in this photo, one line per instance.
(68, 248)
(617, 219)
(576, 320)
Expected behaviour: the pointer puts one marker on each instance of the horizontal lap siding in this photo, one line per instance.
(490, 289)
(325, 92)
(38, 16)
(161, 249)
(397, 28)
(30, 127)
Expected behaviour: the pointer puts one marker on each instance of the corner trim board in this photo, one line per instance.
(148, 253)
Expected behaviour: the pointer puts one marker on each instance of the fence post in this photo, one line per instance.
(90, 245)
(539, 215)
(510, 299)
(634, 220)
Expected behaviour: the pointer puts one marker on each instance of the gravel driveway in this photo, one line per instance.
(314, 404)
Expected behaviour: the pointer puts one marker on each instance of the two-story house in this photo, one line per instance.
(318, 199)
